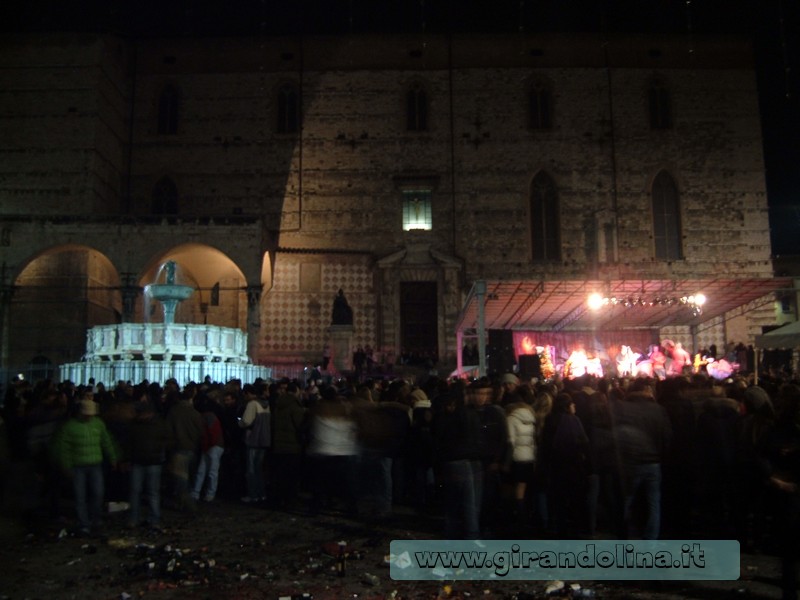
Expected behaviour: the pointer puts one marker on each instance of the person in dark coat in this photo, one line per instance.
(288, 421)
(149, 441)
(643, 437)
(565, 453)
(717, 426)
(750, 498)
(605, 478)
(496, 453)
(420, 449)
(679, 466)
(383, 430)
(781, 448)
(187, 429)
(458, 455)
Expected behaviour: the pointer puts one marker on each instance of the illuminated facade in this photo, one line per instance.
(276, 171)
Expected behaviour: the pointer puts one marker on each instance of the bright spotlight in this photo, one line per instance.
(699, 299)
(595, 301)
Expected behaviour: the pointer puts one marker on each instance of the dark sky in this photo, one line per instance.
(774, 26)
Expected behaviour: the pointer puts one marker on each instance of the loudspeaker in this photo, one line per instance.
(500, 357)
(530, 365)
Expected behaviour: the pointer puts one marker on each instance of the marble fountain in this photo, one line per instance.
(158, 351)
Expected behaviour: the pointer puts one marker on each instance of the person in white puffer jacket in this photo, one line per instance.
(522, 437)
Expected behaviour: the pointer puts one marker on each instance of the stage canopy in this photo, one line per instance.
(627, 304)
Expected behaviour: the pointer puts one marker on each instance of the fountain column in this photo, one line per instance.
(253, 319)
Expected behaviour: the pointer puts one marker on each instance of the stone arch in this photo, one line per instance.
(59, 292)
(210, 271)
(544, 217)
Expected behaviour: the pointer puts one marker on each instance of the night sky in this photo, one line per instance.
(774, 26)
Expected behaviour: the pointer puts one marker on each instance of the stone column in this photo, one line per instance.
(6, 292)
(341, 347)
(253, 319)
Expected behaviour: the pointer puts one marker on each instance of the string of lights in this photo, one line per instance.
(694, 302)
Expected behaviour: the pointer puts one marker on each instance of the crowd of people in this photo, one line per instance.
(632, 458)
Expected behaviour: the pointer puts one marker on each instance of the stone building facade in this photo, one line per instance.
(399, 169)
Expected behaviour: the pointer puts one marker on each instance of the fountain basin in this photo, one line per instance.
(168, 291)
(160, 351)
(157, 351)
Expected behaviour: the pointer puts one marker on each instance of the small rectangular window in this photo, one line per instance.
(539, 110)
(288, 110)
(417, 213)
(416, 109)
(660, 108)
(168, 112)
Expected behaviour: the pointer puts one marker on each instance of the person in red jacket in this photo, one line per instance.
(212, 446)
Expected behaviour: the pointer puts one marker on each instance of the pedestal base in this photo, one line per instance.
(341, 347)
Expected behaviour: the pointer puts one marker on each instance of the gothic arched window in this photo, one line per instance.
(660, 105)
(416, 108)
(288, 115)
(168, 111)
(666, 218)
(545, 219)
(540, 107)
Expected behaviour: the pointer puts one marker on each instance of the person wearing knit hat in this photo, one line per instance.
(509, 379)
(80, 447)
(508, 383)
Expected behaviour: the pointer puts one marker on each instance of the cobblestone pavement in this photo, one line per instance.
(236, 551)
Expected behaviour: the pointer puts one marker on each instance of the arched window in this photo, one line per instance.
(666, 218)
(660, 104)
(545, 221)
(540, 107)
(416, 108)
(165, 198)
(168, 111)
(288, 109)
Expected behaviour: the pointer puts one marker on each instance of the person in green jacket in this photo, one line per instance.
(80, 447)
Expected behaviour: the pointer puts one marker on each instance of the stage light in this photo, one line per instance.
(694, 302)
(595, 301)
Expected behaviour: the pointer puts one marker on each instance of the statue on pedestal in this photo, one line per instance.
(342, 313)
(341, 332)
